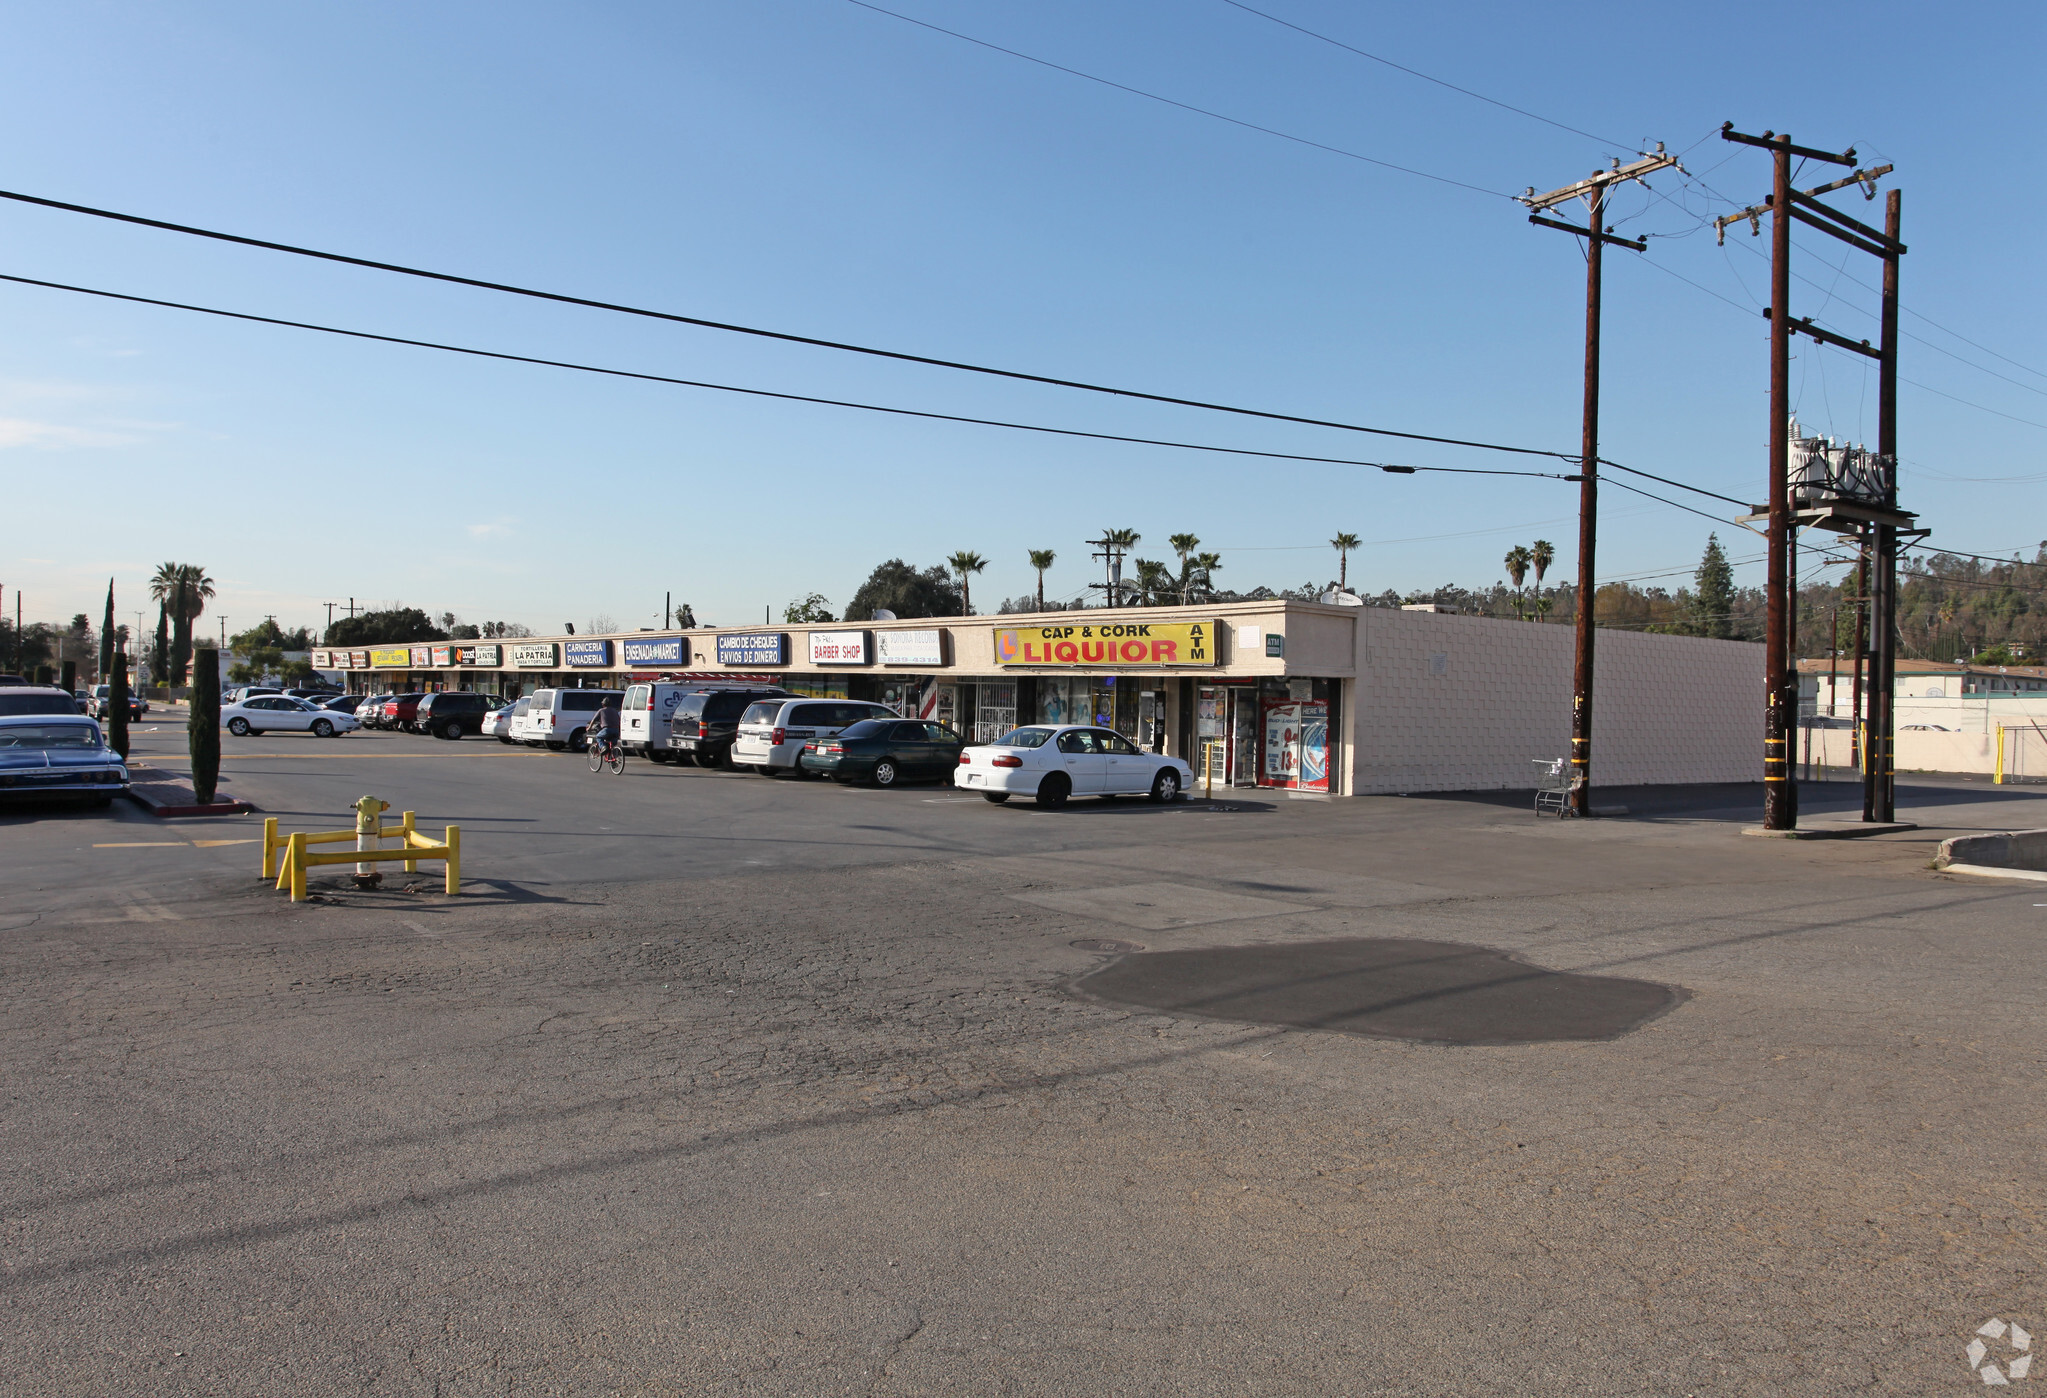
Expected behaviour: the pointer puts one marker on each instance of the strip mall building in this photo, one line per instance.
(1299, 696)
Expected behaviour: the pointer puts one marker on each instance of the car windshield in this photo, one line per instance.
(50, 735)
(1023, 738)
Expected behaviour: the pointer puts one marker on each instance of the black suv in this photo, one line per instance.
(452, 713)
(705, 723)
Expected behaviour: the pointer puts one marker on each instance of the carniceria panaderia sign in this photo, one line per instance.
(1116, 644)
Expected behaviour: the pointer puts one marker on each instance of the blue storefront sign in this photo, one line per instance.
(587, 655)
(754, 648)
(656, 650)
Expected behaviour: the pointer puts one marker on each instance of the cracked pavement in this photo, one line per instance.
(669, 1122)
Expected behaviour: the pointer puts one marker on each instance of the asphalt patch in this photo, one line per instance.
(1390, 988)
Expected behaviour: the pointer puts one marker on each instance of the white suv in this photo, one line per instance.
(772, 732)
(556, 718)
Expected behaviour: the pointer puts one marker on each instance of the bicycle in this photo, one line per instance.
(605, 752)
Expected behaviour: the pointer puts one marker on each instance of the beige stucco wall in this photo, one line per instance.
(1458, 703)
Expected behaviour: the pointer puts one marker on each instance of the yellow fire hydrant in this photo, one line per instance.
(369, 826)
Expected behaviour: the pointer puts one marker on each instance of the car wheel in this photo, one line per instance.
(994, 798)
(763, 770)
(1166, 785)
(553, 746)
(799, 771)
(503, 739)
(322, 728)
(886, 773)
(706, 758)
(579, 740)
(452, 730)
(239, 727)
(1053, 790)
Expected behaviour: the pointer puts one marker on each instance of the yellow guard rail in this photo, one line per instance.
(298, 855)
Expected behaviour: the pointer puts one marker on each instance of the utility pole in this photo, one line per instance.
(1596, 235)
(330, 618)
(1884, 807)
(223, 631)
(351, 609)
(1841, 505)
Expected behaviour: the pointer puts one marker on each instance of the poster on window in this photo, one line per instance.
(1296, 748)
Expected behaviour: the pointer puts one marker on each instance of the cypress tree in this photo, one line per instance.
(117, 707)
(202, 729)
(1713, 605)
(160, 656)
(107, 637)
(67, 678)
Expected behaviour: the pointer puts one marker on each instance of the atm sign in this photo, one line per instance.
(1108, 645)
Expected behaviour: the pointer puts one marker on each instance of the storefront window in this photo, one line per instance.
(994, 710)
(817, 686)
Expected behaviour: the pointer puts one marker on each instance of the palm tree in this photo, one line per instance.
(1541, 555)
(184, 589)
(1041, 559)
(1184, 544)
(1154, 583)
(1204, 565)
(1117, 542)
(966, 563)
(1518, 561)
(1343, 544)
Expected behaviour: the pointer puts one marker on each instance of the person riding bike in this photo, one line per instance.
(605, 728)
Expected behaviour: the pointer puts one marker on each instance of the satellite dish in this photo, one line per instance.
(884, 614)
(1335, 598)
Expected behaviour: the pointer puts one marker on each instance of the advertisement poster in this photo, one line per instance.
(444, 656)
(320, 660)
(1296, 749)
(422, 656)
(392, 658)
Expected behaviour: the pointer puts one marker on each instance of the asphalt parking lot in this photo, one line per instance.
(710, 1083)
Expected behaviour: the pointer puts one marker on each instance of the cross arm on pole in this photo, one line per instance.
(1770, 140)
(1801, 201)
(1637, 245)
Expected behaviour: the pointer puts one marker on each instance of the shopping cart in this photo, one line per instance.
(1552, 785)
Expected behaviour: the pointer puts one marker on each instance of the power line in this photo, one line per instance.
(1710, 494)
(785, 336)
(1183, 106)
(1390, 467)
(1415, 73)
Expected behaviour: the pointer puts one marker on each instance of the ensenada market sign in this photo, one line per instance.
(1108, 645)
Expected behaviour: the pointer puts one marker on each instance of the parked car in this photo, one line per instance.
(498, 723)
(250, 691)
(452, 712)
(63, 756)
(37, 699)
(313, 696)
(396, 711)
(340, 703)
(280, 713)
(772, 732)
(705, 722)
(102, 702)
(557, 718)
(1053, 762)
(886, 751)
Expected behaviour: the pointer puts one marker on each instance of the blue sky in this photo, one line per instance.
(814, 166)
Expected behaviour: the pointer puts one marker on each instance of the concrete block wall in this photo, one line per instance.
(1458, 703)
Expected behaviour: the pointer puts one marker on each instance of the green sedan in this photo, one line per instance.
(886, 751)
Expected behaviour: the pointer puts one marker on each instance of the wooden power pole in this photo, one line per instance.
(1593, 191)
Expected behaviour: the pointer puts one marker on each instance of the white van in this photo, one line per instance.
(772, 732)
(650, 708)
(557, 717)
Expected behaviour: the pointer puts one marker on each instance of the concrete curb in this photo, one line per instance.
(178, 801)
(1858, 830)
(1986, 872)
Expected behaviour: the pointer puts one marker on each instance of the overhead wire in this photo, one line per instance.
(1183, 106)
(788, 337)
(1417, 73)
(1397, 468)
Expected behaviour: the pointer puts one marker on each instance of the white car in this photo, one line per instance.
(498, 723)
(280, 713)
(1052, 762)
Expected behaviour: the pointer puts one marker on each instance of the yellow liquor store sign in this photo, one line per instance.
(396, 658)
(1115, 645)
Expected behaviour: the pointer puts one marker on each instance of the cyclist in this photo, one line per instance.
(605, 728)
